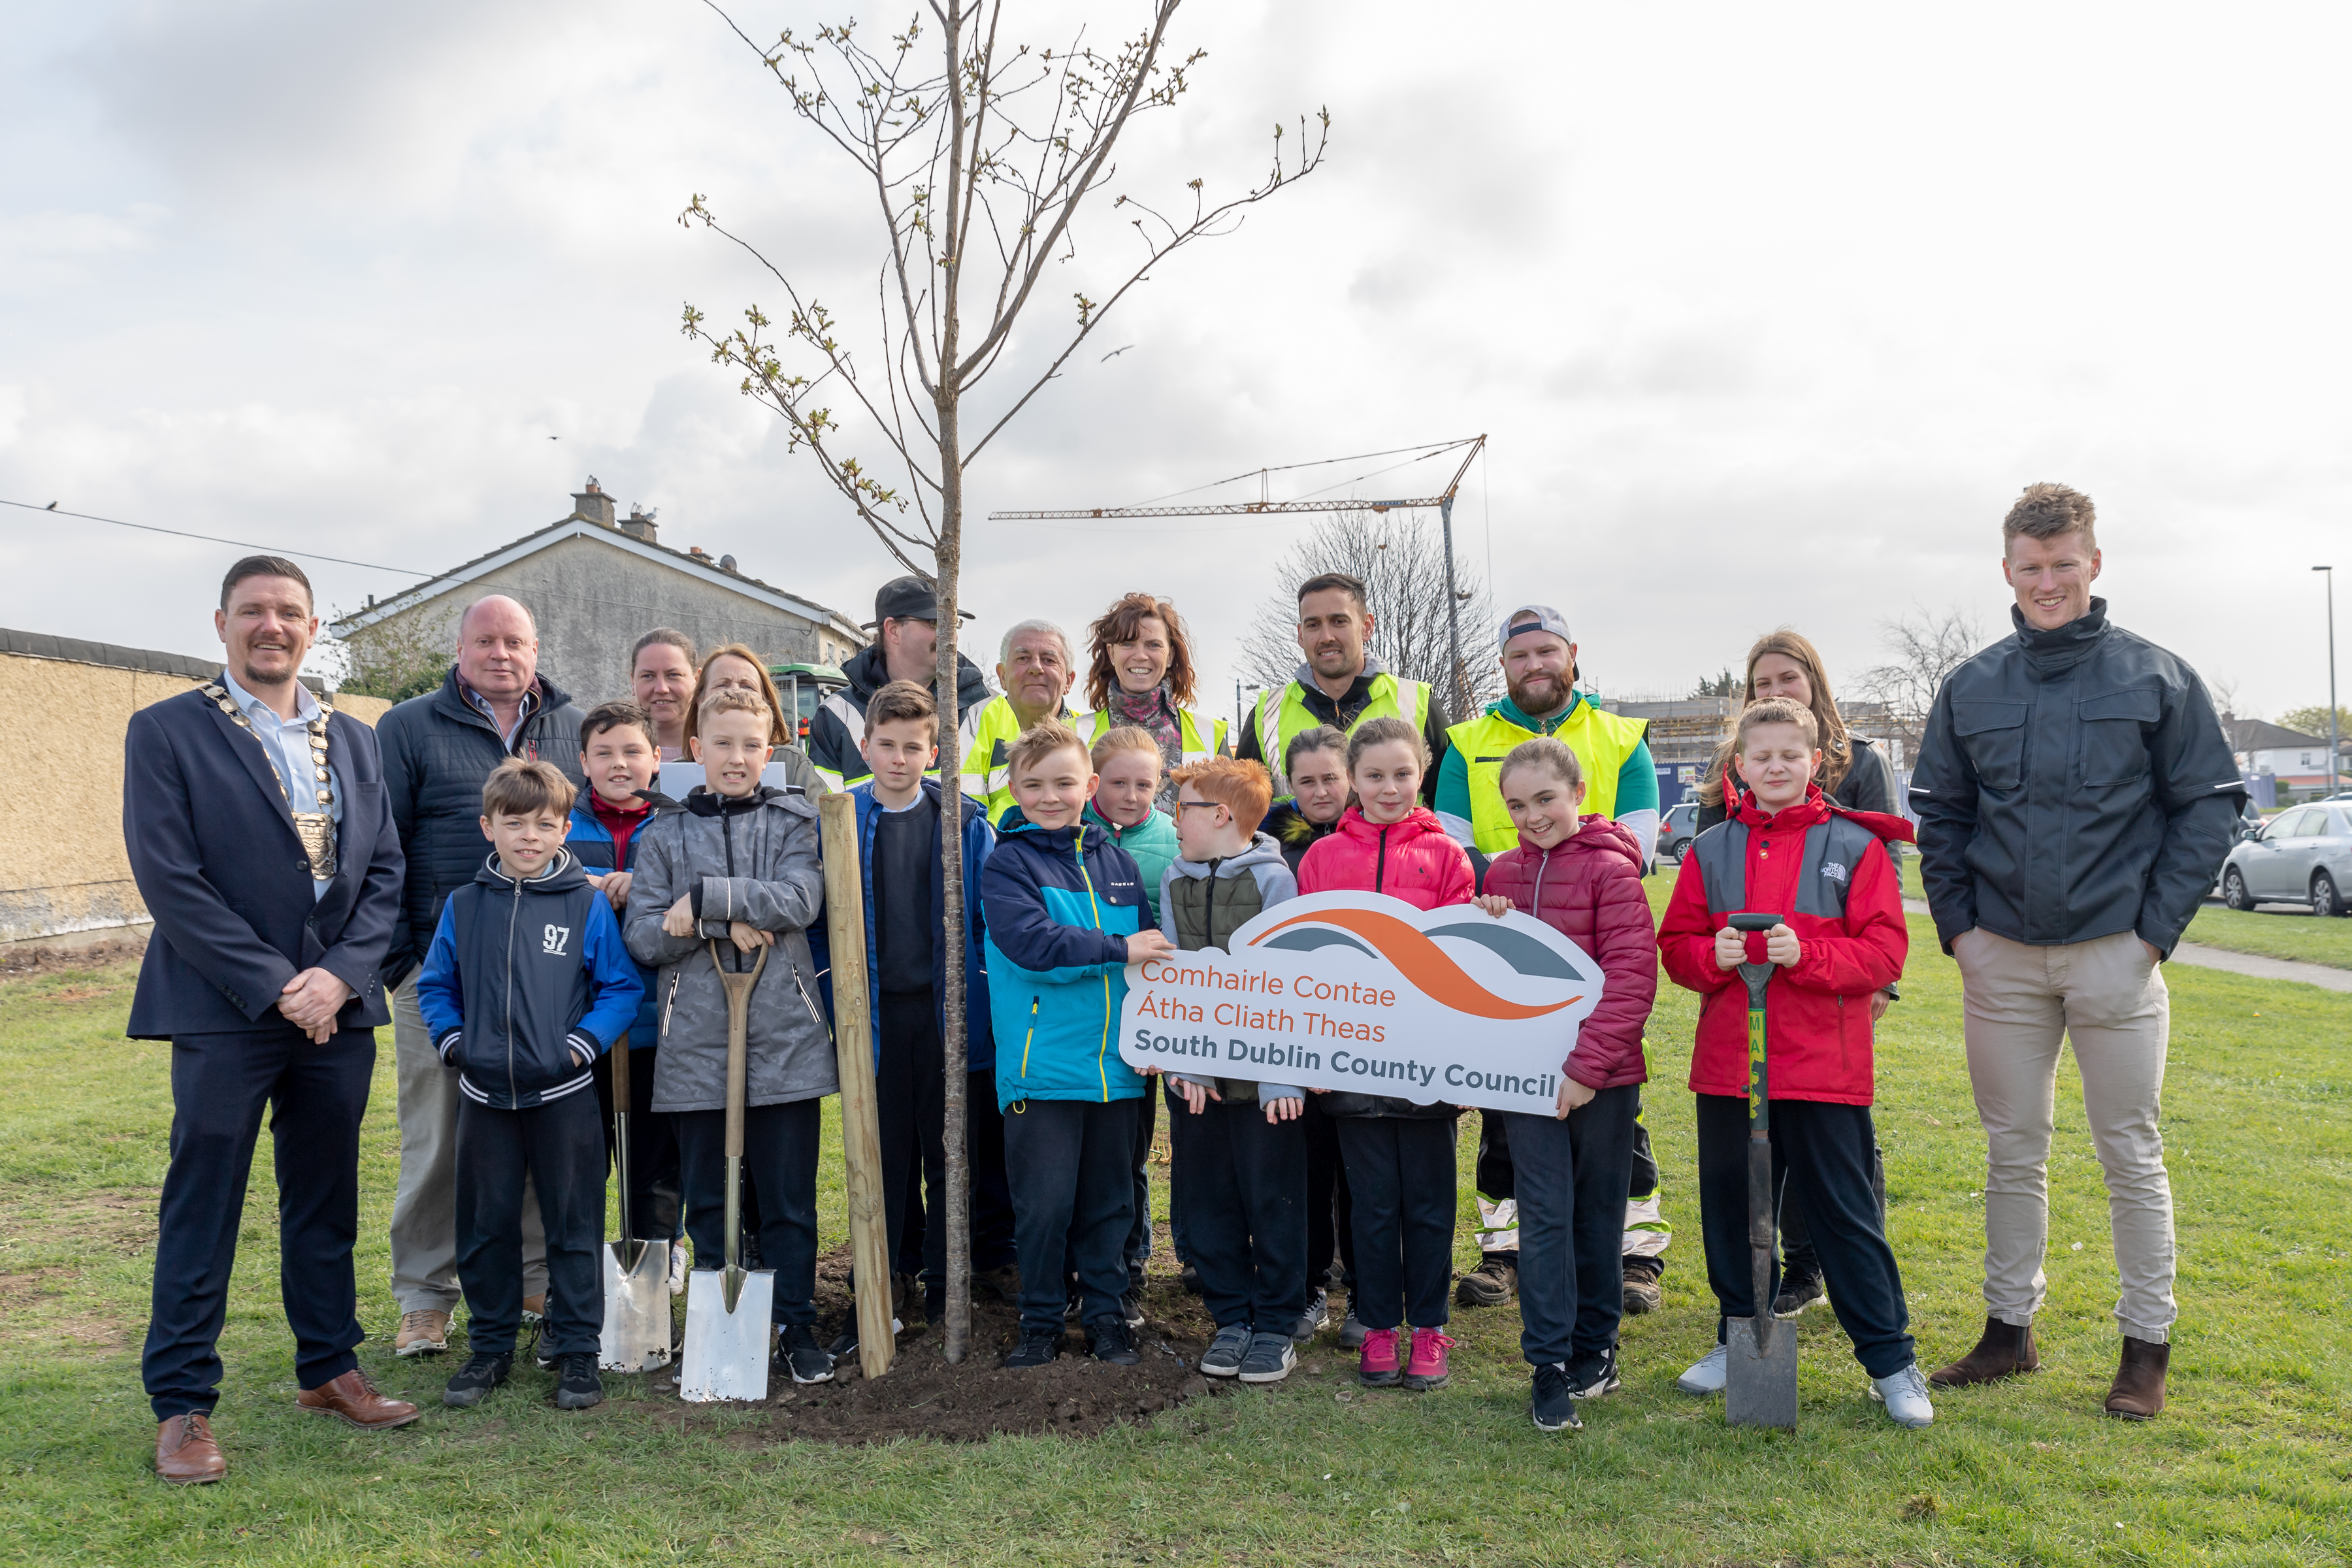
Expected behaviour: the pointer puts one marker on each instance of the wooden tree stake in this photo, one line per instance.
(861, 1124)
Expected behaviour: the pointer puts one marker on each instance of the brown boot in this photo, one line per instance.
(352, 1398)
(2006, 1350)
(2137, 1392)
(185, 1453)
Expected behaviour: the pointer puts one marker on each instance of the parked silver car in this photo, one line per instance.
(2301, 855)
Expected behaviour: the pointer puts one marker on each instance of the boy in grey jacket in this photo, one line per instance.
(733, 871)
(1239, 1158)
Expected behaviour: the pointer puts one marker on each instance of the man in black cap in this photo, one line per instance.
(906, 646)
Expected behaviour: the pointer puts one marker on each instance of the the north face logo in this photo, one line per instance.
(1833, 870)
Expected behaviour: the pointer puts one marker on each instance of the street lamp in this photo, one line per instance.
(2333, 743)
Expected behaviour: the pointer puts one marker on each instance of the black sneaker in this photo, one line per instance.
(1189, 1277)
(1593, 1377)
(1317, 1316)
(541, 1356)
(1113, 1344)
(1270, 1359)
(1800, 1289)
(1490, 1284)
(1130, 1306)
(1038, 1347)
(480, 1374)
(578, 1387)
(806, 1359)
(1553, 1407)
(1642, 1292)
(1352, 1330)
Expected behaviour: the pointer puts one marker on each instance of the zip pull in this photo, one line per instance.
(670, 1002)
(808, 1001)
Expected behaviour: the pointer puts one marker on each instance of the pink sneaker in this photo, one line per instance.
(1378, 1369)
(1427, 1367)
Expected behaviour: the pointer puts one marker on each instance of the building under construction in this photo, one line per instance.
(1685, 730)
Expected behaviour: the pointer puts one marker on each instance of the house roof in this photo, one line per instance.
(2261, 736)
(578, 527)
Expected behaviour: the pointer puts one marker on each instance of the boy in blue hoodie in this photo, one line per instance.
(526, 984)
(1064, 912)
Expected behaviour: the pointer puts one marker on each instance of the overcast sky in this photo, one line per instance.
(1769, 314)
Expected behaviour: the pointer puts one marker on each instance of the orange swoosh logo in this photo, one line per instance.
(1421, 962)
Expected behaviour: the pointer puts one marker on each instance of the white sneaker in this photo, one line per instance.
(1904, 1394)
(1708, 1377)
(677, 1269)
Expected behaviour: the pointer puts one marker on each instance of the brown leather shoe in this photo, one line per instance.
(186, 1453)
(2137, 1392)
(2006, 1350)
(352, 1398)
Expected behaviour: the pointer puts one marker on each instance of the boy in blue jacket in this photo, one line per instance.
(900, 855)
(526, 984)
(1064, 912)
(619, 756)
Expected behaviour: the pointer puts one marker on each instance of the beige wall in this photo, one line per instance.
(62, 864)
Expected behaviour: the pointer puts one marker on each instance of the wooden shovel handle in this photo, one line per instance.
(738, 1029)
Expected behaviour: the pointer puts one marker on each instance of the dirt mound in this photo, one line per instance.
(923, 1396)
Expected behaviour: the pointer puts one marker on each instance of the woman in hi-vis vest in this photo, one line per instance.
(1141, 672)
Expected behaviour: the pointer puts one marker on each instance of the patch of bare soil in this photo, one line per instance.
(22, 960)
(923, 1396)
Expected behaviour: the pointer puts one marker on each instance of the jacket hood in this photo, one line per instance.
(1305, 674)
(452, 697)
(703, 801)
(562, 874)
(870, 672)
(2051, 652)
(1595, 835)
(1154, 826)
(1503, 708)
(1414, 823)
(1262, 850)
(1289, 825)
(1817, 807)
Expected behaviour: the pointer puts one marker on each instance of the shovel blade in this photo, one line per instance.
(637, 1308)
(726, 1352)
(1762, 1386)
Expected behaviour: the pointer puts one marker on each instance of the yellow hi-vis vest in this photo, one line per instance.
(1282, 714)
(1602, 743)
(1197, 748)
(986, 776)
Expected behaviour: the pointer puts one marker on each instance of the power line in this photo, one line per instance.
(51, 509)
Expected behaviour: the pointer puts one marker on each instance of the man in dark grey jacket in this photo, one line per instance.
(439, 748)
(2075, 795)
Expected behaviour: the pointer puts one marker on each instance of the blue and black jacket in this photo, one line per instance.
(590, 843)
(1060, 903)
(527, 983)
(979, 843)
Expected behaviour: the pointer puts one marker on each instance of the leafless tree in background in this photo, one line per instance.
(1926, 648)
(980, 154)
(1401, 556)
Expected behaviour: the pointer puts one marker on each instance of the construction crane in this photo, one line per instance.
(1469, 446)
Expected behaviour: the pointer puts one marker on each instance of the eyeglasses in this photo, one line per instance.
(1206, 804)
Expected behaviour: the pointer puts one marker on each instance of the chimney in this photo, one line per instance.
(640, 522)
(593, 503)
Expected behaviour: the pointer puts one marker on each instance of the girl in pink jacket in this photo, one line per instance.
(1400, 1155)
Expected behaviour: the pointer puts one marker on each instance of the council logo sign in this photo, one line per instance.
(1363, 992)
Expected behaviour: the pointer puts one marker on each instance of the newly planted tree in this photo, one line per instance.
(981, 157)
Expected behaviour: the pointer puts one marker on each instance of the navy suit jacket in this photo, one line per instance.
(213, 850)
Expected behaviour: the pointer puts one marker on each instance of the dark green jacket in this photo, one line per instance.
(1203, 903)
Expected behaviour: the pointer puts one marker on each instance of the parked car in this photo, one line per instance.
(2303, 855)
(1676, 828)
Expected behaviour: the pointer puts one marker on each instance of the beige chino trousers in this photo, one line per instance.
(425, 1204)
(2108, 998)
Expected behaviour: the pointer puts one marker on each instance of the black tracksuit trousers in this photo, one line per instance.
(561, 1146)
(1401, 1173)
(1331, 1210)
(1822, 1152)
(1070, 1165)
(1243, 1183)
(1571, 1181)
(780, 1146)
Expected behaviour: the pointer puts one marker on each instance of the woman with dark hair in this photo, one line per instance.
(1855, 774)
(661, 680)
(1142, 674)
(735, 664)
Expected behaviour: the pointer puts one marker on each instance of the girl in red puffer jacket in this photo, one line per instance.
(1582, 877)
(1400, 1155)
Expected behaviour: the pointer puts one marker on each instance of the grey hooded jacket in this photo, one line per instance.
(1203, 903)
(754, 860)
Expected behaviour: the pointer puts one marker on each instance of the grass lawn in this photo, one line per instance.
(2249, 1464)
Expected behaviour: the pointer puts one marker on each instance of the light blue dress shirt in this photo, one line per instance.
(288, 744)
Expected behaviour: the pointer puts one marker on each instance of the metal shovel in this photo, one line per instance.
(1761, 1364)
(728, 1336)
(636, 1273)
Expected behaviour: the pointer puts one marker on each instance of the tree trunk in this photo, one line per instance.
(950, 556)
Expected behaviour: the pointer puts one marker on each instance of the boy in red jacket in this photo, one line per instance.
(1826, 870)
(1582, 877)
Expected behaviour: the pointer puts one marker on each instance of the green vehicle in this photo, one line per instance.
(805, 688)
